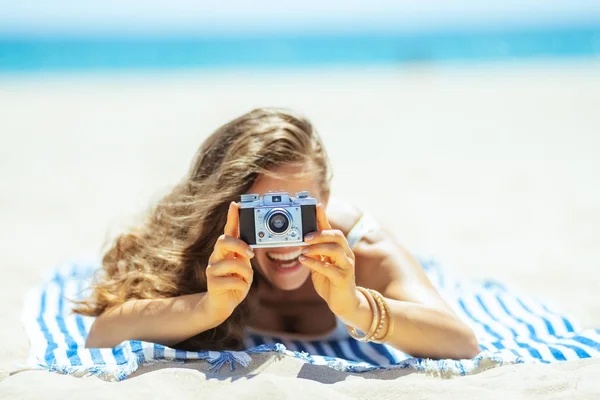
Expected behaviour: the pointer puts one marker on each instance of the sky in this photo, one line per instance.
(192, 16)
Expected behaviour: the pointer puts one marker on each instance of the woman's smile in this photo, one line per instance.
(284, 255)
(284, 261)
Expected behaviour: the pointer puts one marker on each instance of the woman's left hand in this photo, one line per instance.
(332, 266)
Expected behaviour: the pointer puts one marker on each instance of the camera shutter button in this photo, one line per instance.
(302, 195)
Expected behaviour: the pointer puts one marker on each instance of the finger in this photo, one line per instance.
(330, 236)
(334, 274)
(232, 226)
(228, 268)
(226, 283)
(229, 245)
(231, 267)
(334, 251)
(322, 221)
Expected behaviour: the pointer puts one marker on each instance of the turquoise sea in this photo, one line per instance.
(71, 53)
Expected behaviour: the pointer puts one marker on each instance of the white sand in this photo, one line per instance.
(493, 170)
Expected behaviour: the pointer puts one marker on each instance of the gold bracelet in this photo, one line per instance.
(386, 313)
(374, 322)
(383, 311)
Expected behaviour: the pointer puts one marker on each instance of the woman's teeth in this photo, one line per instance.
(284, 256)
(288, 264)
(285, 260)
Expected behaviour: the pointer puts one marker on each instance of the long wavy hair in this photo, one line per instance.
(167, 253)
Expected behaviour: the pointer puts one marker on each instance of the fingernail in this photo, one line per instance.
(250, 253)
(310, 236)
(304, 250)
(301, 258)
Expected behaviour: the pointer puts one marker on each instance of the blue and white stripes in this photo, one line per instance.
(511, 329)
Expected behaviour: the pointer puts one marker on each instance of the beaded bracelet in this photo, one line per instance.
(374, 324)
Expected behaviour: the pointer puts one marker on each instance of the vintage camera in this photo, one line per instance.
(276, 219)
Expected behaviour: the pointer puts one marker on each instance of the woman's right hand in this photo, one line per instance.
(229, 273)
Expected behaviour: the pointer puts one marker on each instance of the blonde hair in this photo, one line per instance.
(167, 254)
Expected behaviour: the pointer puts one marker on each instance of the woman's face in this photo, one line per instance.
(280, 265)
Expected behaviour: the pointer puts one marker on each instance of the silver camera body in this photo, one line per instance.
(277, 219)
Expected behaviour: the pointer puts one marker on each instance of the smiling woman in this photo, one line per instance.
(185, 279)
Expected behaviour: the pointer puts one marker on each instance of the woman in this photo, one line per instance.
(186, 280)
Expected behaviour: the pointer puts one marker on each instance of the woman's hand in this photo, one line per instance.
(229, 273)
(332, 263)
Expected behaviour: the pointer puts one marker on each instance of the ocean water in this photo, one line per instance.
(69, 53)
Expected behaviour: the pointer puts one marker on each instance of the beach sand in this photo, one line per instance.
(492, 169)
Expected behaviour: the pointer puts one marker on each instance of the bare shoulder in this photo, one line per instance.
(342, 215)
(371, 252)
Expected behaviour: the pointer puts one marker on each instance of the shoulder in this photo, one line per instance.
(371, 252)
(342, 215)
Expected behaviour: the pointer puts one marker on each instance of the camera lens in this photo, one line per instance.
(278, 223)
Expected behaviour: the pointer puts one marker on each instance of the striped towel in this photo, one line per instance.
(511, 329)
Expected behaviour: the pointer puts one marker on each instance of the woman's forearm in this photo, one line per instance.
(422, 331)
(165, 321)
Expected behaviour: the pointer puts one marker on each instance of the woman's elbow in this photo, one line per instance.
(92, 343)
(99, 335)
(94, 338)
(469, 347)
